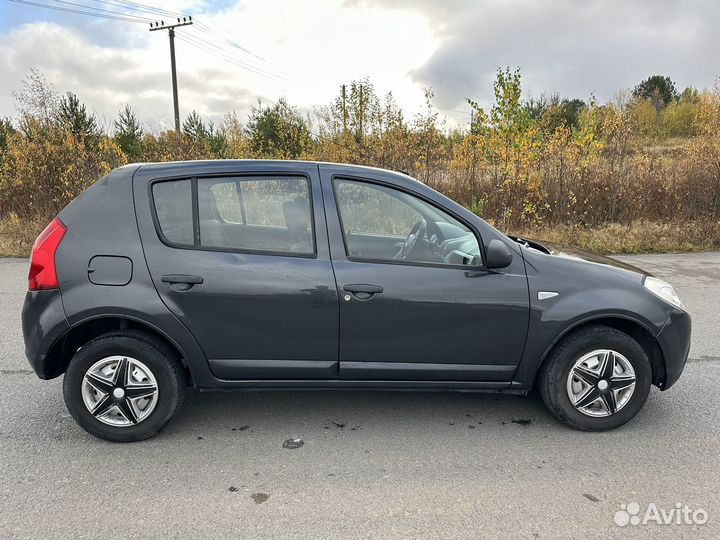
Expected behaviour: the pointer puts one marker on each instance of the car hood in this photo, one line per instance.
(562, 250)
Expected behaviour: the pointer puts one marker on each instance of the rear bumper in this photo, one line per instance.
(43, 323)
(674, 340)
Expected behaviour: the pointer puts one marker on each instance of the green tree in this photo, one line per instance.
(194, 128)
(278, 131)
(74, 115)
(554, 112)
(217, 141)
(658, 89)
(565, 114)
(6, 131)
(6, 128)
(129, 134)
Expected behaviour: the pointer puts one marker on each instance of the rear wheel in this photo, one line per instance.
(123, 386)
(596, 379)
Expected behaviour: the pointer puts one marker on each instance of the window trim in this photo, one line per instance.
(196, 216)
(473, 229)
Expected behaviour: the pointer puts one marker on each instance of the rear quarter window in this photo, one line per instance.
(173, 205)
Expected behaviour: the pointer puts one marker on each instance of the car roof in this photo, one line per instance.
(213, 163)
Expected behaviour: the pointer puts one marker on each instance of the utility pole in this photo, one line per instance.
(185, 21)
(344, 110)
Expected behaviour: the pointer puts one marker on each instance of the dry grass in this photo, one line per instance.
(17, 236)
(638, 237)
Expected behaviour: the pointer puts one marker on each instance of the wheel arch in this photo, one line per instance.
(82, 332)
(633, 328)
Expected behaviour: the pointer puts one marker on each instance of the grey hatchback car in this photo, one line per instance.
(291, 274)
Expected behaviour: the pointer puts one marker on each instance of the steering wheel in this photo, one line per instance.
(418, 232)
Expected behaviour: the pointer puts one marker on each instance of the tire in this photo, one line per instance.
(148, 363)
(556, 384)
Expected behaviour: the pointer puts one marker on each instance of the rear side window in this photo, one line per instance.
(173, 205)
(265, 214)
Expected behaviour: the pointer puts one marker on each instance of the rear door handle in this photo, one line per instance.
(181, 278)
(181, 282)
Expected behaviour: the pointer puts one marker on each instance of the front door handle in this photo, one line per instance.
(363, 288)
(361, 291)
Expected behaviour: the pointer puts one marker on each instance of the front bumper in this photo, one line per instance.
(43, 322)
(674, 341)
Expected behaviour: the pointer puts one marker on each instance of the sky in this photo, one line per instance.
(242, 51)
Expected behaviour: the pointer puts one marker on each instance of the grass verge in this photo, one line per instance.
(637, 237)
(17, 236)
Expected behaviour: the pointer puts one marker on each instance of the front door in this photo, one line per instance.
(416, 302)
(241, 258)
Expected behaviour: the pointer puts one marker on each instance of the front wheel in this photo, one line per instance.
(596, 379)
(123, 386)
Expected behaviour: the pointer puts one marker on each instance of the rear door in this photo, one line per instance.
(239, 253)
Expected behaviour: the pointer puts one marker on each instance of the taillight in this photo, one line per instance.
(42, 262)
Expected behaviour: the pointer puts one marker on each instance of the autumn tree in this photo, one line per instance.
(37, 98)
(236, 140)
(49, 161)
(429, 142)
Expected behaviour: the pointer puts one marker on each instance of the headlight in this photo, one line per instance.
(664, 290)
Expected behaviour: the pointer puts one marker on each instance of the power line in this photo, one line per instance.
(145, 9)
(257, 69)
(79, 9)
(85, 6)
(191, 40)
(137, 6)
(205, 28)
(118, 17)
(198, 24)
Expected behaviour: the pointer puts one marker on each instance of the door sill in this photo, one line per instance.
(340, 384)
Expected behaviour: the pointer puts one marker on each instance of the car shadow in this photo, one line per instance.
(410, 414)
(359, 409)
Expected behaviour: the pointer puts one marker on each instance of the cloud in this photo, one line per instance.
(109, 77)
(573, 47)
(308, 52)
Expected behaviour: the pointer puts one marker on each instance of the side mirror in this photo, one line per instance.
(497, 254)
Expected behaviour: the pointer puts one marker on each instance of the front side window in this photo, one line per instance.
(385, 224)
(269, 214)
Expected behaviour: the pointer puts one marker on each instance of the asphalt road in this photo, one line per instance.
(373, 464)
